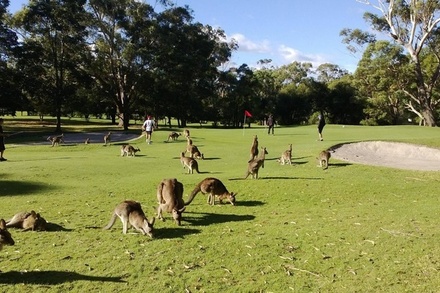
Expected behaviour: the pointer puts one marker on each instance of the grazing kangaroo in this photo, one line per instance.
(254, 165)
(170, 199)
(254, 148)
(186, 133)
(129, 150)
(194, 151)
(56, 140)
(213, 187)
(286, 156)
(174, 136)
(190, 163)
(107, 138)
(323, 159)
(130, 212)
(5, 236)
(27, 221)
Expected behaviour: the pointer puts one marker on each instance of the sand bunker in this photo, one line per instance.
(390, 154)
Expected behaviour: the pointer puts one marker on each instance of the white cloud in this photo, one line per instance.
(291, 54)
(246, 45)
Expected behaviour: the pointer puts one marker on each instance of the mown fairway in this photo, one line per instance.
(351, 228)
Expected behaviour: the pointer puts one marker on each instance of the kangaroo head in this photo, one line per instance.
(5, 236)
(177, 215)
(40, 223)
(231, 198)
(148, 227)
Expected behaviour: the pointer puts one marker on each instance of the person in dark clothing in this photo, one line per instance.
(270, 124)
(321, 124)
(2, 141)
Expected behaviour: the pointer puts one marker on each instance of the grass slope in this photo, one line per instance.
(351, 228)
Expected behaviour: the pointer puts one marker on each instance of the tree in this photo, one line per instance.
(381, 75)
(54, 34)
(414, 25)
(328, 72)
(10, 95)
(122, 35)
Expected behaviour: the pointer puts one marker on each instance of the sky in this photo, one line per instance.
(281, 30)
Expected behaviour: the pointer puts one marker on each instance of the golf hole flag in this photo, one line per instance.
(247, 113)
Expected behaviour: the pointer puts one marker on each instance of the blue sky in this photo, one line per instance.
(281, 30)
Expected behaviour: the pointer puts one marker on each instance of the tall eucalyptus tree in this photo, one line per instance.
(53, 36)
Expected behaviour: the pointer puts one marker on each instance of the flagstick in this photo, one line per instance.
(244, 122)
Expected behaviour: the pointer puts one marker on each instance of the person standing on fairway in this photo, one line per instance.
(321, 124)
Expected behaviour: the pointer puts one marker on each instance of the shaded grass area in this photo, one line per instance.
(351, 228)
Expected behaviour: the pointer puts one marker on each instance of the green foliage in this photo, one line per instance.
(298, 228)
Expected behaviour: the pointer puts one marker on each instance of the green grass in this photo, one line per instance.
(351, 228)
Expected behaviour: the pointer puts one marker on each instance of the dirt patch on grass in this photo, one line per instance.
(389, 154)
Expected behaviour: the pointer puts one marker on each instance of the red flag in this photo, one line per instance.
(247, 114)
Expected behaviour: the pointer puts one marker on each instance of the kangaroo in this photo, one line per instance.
(254, 165)
(129, 150)
(254, 149)
(214, 187)
(27, 221)
(174, 136)
(130, 212)
(5, 236)
(190, 163)
(56, 140)
(286, 156)
(194, 151)
(170, 199)
(189, 141)
(107, 138)
(323, 159)
(186, 133)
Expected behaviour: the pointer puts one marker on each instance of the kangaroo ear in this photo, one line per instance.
(2, 224)
(33, 213)
(182, 209)
(152, 221)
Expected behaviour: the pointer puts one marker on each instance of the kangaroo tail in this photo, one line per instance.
(193, 194)
(111, 223)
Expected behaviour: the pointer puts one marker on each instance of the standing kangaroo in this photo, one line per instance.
(254, 165)
(194, 151)
(214, 187)
(130, 212)
(323, 159)
(254, 148)
(190, 163)
(186, 133)
(170, 199)
(286, 156)
(5, 236)
(107, 138)
(27, 221)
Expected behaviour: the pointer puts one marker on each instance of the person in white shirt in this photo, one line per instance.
(148, 126)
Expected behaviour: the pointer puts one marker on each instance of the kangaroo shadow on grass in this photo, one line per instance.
(9, 187)
(210, 218)
(339, 164)
(210, 159)
(249, 203)
(51, 278)
(178, 232)
(53, 227)
(276, 178)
